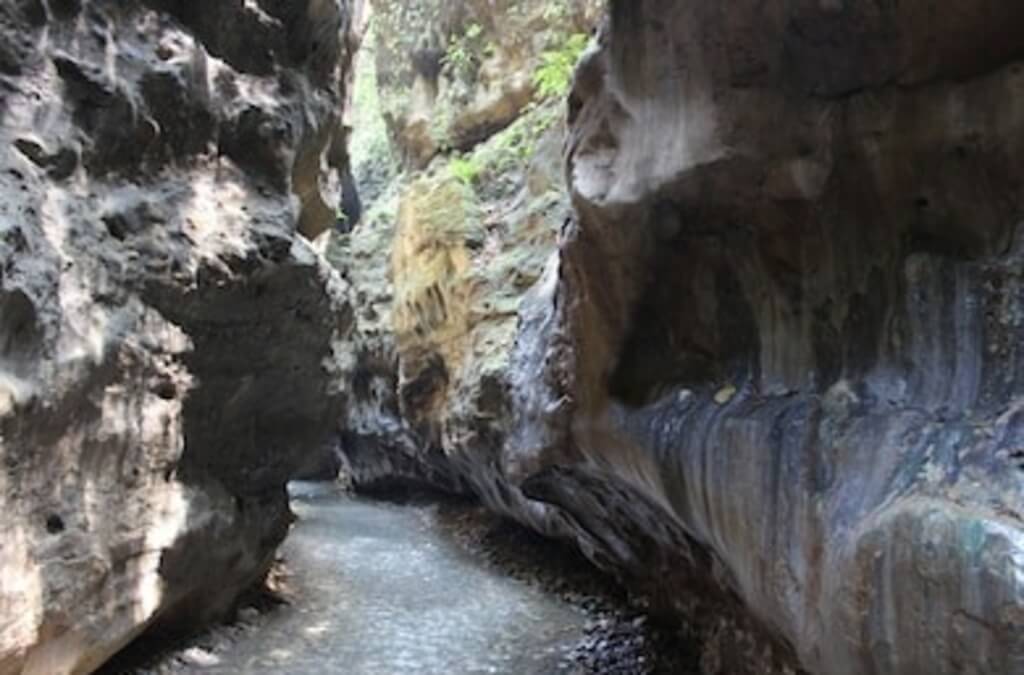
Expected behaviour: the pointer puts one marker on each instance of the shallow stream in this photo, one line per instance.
(380, 589)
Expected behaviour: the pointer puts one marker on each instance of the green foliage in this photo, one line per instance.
(554, 74)
(515, 145)
(462, 56)
(457, 57)
(554, 12)
(505, 159)
(466, 169)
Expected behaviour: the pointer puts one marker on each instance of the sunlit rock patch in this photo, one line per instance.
(164, 329)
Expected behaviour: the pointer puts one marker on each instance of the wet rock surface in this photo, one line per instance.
(164, 327)
(621, 635)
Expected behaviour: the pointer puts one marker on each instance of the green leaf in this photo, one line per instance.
(553, 76)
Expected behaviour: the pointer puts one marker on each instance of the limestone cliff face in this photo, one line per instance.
(163, 328)
(784, 345)
(454, 73)
(774, 368)
(439, 264)
(436, 273)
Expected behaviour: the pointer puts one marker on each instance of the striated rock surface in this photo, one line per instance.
(165, 333)
(774, 369)
(783, 343)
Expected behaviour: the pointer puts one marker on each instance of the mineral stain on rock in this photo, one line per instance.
(727, 296)
(770, 367)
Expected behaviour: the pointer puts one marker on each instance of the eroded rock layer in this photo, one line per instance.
(790, 315)
(164, 329)
(439, 263)
(774, 369)
(436, 274)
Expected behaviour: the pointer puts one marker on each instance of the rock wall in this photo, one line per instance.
(789, 316)
(452, 74)
(165, 334)
(773, 371)
(440, 262)
(436, 272)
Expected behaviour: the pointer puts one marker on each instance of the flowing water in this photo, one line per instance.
(381, 590)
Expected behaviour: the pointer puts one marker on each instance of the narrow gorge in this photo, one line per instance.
(618, 336)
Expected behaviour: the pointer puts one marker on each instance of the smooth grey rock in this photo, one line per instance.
(784, 348)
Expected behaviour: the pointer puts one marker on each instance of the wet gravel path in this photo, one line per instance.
(422, 587)
(377, 591)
